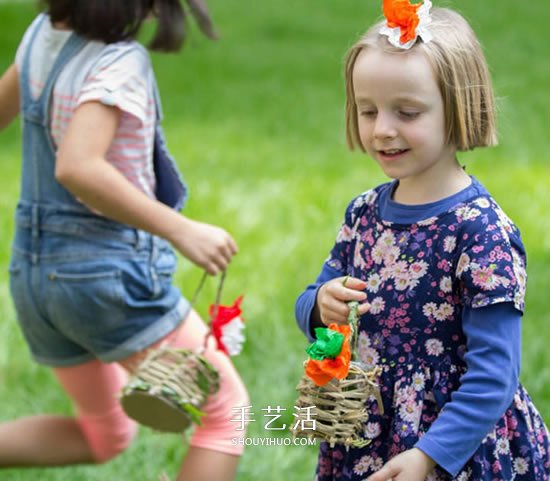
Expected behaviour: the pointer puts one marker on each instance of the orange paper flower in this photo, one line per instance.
(402, 14)
(321, 372)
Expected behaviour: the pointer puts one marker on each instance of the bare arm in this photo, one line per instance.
(82, 168)
(9, 96)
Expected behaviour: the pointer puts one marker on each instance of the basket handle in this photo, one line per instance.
(218, 292)
(216, 305)
(149, 351)
(353, 321)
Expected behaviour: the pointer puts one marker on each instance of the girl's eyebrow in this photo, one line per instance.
(409, 98)
(402, 99)
(363, 100)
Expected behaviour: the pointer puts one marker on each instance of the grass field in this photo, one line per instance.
(256, 122)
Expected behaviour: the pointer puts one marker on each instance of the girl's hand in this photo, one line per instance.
(411, 465)
(205, 245)
(333, 296)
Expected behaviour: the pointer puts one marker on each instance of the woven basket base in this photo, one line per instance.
(154, 412)
(340, 413)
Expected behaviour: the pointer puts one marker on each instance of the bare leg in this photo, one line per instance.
(201, 464)
(51, 440)
(42, 441)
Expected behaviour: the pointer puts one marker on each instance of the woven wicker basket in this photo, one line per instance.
(169, 388)
(339, 407)
(340, 413)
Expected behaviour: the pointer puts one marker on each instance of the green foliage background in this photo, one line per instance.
(256, 122)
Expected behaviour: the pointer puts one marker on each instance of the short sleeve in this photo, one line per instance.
(120, 78)
(491, 268)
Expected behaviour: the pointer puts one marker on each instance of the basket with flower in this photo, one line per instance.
(170, 386)
(335, 386)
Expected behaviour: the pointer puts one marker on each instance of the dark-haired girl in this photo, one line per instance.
(92, 260)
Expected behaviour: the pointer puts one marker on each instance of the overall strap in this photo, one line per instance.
(70, 48)
(156, 95)
(170, 187)
(24, 75)
(37, 181)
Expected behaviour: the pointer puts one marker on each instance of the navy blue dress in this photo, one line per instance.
(422, 279)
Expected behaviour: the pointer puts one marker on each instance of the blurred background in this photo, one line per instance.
(256, 123)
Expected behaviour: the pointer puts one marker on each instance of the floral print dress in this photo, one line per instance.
(419, 278)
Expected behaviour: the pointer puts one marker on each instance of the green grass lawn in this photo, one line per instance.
(256, 122)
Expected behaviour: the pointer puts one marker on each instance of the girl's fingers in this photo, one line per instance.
(226, 254)
(333, 298)
(385, 474)
(364, 308)
(346, 293)
(227, 251)
(232, 246)
(335, 307)
(347, 289)
(329, 317)
(339, 313)
(213, 268)
(333, 311)
(220, 266)
(354, 283)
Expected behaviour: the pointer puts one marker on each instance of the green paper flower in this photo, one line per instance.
(328, 344)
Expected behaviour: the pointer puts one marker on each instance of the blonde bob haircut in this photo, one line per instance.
(462, 75)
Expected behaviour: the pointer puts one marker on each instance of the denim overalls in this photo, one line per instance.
(84, 286)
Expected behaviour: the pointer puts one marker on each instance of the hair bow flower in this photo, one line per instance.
(405, 22)
(330, 354)
(227, 327)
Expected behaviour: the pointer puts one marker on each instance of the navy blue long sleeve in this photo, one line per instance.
(487, 388)
(306, 302)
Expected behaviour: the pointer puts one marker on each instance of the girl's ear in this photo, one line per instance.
(199, 10)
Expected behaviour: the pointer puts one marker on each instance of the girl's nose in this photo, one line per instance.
(384, 127)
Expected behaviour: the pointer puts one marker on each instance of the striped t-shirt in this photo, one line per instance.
(117, 74)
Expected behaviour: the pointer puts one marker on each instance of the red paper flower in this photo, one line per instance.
(227, 327)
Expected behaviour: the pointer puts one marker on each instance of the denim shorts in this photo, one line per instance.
(87, 288)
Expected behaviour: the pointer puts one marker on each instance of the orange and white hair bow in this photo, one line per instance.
(405, 22)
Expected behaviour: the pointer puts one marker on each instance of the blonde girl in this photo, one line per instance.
(437, 265)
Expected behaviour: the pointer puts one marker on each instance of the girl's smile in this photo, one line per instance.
(391, 155)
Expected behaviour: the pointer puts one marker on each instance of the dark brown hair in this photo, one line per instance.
(111, 21)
